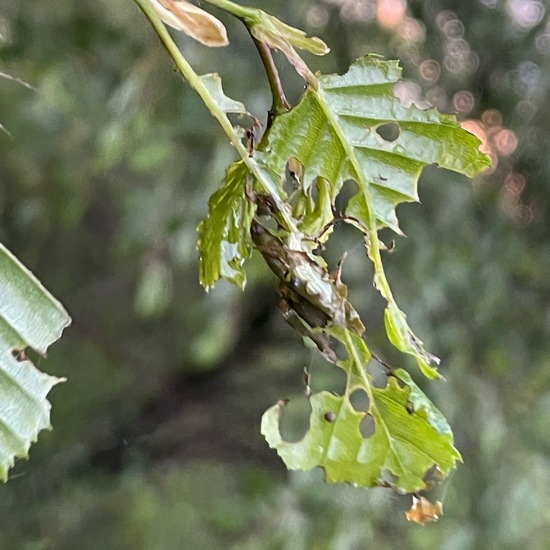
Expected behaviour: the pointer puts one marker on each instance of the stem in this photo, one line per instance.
(248, 17)
(242, 12)
(217, 112)
(280, 104)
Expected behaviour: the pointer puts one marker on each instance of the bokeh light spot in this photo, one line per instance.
(463, 101)
(505, 142)
(526, 13)
(390, 13)
(437, 97)
(317, 17)
(430, 70)
(491, 117)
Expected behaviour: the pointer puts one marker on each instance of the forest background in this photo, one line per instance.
(106, 173)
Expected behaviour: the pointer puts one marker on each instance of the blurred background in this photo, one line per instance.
(105, 174)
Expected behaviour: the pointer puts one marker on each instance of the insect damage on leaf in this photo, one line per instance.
(346, 127)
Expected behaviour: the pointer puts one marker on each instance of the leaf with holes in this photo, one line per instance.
(29, 318)
(353, 127)
(410, 435)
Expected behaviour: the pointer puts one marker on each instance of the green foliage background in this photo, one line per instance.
(156, 443)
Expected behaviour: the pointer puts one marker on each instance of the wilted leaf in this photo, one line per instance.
(29, 317)
(191, 20)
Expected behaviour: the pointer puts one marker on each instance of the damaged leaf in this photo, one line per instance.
(191, 20)
(224, 239)
(423, 511)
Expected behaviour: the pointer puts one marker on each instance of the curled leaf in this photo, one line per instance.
(283, 37)
(193, 21)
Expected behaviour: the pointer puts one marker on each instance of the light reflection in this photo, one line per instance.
(542, 42)
(437, 97)
(510, 200)
(505, 142)
(412, 30)
(409, 93)
(526, 13)
(356, 10)
(444, 17)
(430, 70)
(390, 13)
(317, 17)
(491, 117)
(526, 109)
(453, 29)
(463, 102)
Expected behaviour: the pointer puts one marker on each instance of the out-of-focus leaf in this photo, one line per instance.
(154, 291)
(191, 20)
(224, 237)
(29, 318)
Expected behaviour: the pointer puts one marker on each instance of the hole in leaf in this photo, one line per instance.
(379, 378)
(432, 476)
(388, 132)
(294, 176)
(348, 190)
(294, 422)
(360, 401)
(367, 426)
(387, 478)
(19, 355)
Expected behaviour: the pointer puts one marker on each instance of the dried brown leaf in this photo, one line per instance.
(422, 510)
(193, 21)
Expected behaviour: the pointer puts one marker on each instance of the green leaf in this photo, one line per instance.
(333, 133)
(224, 238)
(29, 318)
(353, 127)
(213, 85)
(278, 35)
(410, 435)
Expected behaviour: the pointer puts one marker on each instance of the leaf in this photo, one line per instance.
(410, 435)
(423, 511)
(213, 85)
(283, 37)
(29, 317)
(401, 451)
(333, 133)
(224, 238)
(353, 127)
(193, 21)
